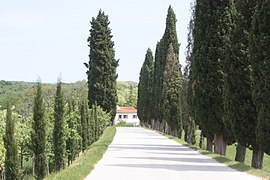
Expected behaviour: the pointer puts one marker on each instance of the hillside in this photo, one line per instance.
(22, 93)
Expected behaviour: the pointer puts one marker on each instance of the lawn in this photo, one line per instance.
(229, 158)
(85, 163)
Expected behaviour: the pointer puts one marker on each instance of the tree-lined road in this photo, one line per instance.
(138, 154)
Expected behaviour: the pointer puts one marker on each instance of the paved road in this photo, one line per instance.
(139, 154)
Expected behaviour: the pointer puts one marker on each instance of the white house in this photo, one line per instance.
(128, 114)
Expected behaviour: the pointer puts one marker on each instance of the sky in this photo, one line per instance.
(47, 38)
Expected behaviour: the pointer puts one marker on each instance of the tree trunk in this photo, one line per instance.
(186, 135)
(174, 131)
(21, 157)
(240, 153)
(152, 124)
(164, 126)
(220, 144)
(33, 164)
(201, 140)
(209, 144)
(257, 158)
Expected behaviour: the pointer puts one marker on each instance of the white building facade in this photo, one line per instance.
(127, 114)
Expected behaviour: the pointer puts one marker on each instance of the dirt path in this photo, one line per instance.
(139, 154)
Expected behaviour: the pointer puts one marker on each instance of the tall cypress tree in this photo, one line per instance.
(189, 125)
(169, 37)
(83, 112)
(211, 27)
(38, 135)
(240, 112)
(145, 89)
(59, 144)
(260, 58)
(198, 70)
(11, 159)
(102, 66)
(72, 134)
(172, 87)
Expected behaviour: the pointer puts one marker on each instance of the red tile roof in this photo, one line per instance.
(126, 110)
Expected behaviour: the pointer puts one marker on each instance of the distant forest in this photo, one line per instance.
(22, 92)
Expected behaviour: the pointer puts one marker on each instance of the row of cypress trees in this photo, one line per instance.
(229, 75)
(75, 128)
(160, 86)
(224, 88)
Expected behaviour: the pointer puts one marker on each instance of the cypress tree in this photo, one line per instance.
(197, 68)
(240, 112)
(59, 145)
(88, 124)
(91, 126)
(211, 27)
(102, 66)
(156, 87)
(172, 87)
(72, 134)
(96, 122)
(260, 58)
(169, 37)
(79, 131)
(38, 135)
(83, 113)
(189, 125)
(145, 89)
(11, 158)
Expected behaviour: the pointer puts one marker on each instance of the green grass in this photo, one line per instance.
(229, 158)
(85, 163)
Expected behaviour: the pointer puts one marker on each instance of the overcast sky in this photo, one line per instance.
(46, 38)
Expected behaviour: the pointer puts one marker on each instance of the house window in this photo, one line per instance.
(134, 116)
(120, 116)
(125, 116)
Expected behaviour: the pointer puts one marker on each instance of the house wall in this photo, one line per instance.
(128, 117)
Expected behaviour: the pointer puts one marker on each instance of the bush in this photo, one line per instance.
(123, 123)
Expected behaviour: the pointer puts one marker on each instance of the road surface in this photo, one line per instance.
(140, 154)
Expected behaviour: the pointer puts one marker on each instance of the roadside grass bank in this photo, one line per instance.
(85, 163)
(229, 158)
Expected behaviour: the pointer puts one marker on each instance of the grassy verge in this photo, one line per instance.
(229, 159)
(85, 163)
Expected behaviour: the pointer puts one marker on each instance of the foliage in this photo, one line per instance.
(11, 158)
(102, 66)
(240, 112)
(169, 37)
(123, 123)
(159, 102)
(59, 145)
(2, 131)
(23, 116)
(73, 137)
(127, 93)
(38, 135)
(212, 24)
(145, 89)
(83, 114)
(260, 57)
(85, 164)
(172, 87)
